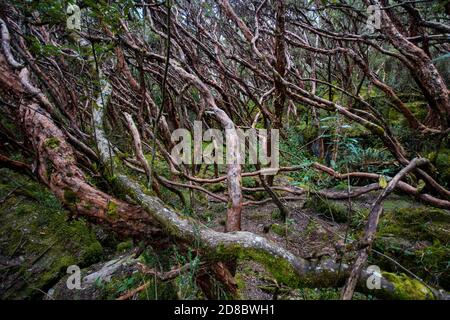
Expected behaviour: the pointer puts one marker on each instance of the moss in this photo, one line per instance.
(92, 253)
(418, 108)
(216, 187)
(111, 210)
(375, 129)
(419, 239)
(281, 270)
(52, 142)
(248, 182)
(394, 204)
(278, 267)
(417, 224)
(70, 197)
(280, 229)
(124, 246)
(441, 159)
(333, 210)
(407, 288)
(34, 225)
(276, 215)
(259, 195)
(240, 282)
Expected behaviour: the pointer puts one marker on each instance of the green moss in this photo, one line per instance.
(333, 210)
(248, 182)
(52, 142)
(70, 197)
(419, 239)
(216, 187)
(124, 246)
(375, 129)
(418, 108)
(407, 288)
(441, 159)
(276, 215)
(281, 270)
(259, 195)
(417, 224)
(280, 229)
(92, 253)
(112, 210)
(34, 225)
(393, 204)
(241, 285)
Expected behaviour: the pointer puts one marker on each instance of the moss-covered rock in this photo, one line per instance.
(417, 224)
(418, 238)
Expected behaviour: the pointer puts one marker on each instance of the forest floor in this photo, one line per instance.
(38, 242)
